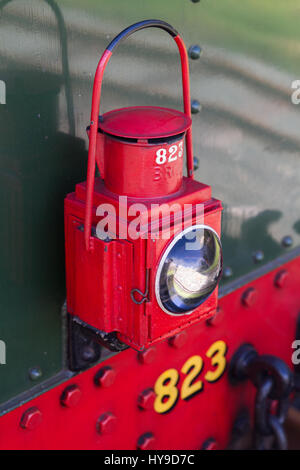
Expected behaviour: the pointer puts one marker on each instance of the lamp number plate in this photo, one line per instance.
(170, 154)
(167, 388)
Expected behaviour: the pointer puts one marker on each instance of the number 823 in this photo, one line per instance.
(166, 390)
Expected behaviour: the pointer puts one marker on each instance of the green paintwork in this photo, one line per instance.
(246, 136)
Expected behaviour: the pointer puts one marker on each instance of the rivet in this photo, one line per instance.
(106, 423)
(196, 163)
(249, 297)
(210, 444)
(88, 353)
(35, 373)
(194, 52)
(258, 256)
(31, 419)
(147, 356)
(179, 340)
(227, 272)
(287, 241)
(281, 278)
(195, 1)
(217, 318)
(70, 397)
(195, 106)
(105, 377)
(146, 441)
(146, 399)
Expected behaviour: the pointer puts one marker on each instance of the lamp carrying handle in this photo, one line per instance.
(96, 107)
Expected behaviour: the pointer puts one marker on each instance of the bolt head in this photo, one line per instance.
(146, 441)
(194, 52)
(196, 163)
(258, 256)
(106, 423)
(105, 377)
(31, 419)
(227, 272)
(146, 399)
(71, 396)
(35, 373)
(281, 278)
(249, 297)
(210, 444)
(179, 340)
(147, 356)
(195, 106)
(287, 241)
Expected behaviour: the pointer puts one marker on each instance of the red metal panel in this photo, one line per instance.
(268, 322)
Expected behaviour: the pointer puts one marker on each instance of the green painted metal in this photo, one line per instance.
(246, 136)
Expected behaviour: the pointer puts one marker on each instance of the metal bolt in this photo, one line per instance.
(147, 356)
(249, 297)
(209, 444)
(195, 52)
(196, 163)
(281, 278)
(105, 377)
(31, 419)
(88, 353)
(35, 373)
(227, 272)
(146, 441)
(146, 399)
(71, 396)
(258, 256)
(195, 106)
(217, 318)
(179, 340)
(106, 423)
(287, 241)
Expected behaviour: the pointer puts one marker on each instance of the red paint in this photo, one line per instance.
(147, 356)
(146, 442)
(144, 122)
(217, 318)
(146, 399)
(99, 282)
(249, 297)
(179, 340)
(105, 377)
(270, 325)
(71, 396)
(281, 278)
(31, 419)
(106, 423)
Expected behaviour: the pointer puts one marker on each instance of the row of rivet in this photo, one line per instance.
(258, 255)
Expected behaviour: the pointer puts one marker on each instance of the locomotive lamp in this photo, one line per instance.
(139, 280)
